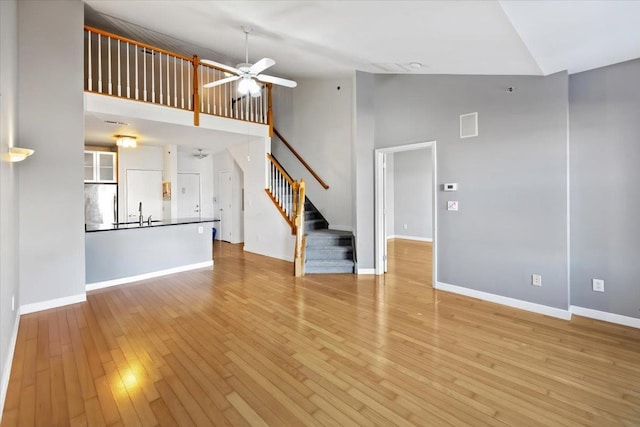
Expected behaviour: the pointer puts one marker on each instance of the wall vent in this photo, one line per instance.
(469, 125)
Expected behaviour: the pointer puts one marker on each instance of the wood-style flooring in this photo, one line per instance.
(249, 344)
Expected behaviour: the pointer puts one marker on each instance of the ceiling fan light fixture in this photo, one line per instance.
(254, 89)
(244, 86)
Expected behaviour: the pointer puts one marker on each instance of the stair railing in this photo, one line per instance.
(299, 157)
(288, 196)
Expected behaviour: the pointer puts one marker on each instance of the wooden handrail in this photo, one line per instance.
(137, 43)
(299, 157)
(281, 169)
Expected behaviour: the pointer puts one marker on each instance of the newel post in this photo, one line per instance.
(269, 110)
(196, 92)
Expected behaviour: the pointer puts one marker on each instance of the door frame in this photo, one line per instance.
(220, 201)
(380, 172)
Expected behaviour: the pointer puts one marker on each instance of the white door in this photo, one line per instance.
(144, 186)
(188, 195)
(226, 213)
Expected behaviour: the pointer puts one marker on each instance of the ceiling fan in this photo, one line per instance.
(249, 74)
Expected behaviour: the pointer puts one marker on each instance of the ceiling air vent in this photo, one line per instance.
(469, 125)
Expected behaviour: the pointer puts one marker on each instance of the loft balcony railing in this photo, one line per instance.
(124, 68)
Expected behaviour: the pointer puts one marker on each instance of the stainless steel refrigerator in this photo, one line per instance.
(100, 204)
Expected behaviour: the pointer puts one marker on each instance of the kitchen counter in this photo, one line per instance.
(90, 228)
(137, 253)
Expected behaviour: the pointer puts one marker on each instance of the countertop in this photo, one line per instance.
(90, 228)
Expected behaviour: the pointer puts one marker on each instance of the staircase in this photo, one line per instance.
(326, 251)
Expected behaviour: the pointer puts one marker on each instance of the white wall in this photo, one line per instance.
(145, 157)
(203, 167)
(9, 215)
(412, 189)
(51, 121)
(316, 119)
(265, 231)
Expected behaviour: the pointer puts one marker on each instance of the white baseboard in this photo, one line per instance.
(6, 371)
(136, 278)
(52, 303)
(366, 271)
(634, 322)
(419, 239)
(511, 302)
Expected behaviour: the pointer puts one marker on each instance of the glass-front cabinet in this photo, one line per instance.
(99, 166)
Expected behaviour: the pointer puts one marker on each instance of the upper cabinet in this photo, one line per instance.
(99, 166)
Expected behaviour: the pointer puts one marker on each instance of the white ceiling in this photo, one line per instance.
(99, 132)
(333, 38)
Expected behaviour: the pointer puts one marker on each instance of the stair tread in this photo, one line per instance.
(327, 232)
(329, 262)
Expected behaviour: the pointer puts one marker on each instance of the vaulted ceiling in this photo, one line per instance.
(333, 38)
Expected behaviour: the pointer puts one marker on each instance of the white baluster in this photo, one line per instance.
(160, 76)
(210, 92)
(144, 72)
(128, 74)
(90, 80)
(99, 63)
(168, 80)
(226, 90)
(182, 83)
(189, 80)
(135, 49)
(109, 64)
(153, 77)
(202, 91)
(175, 82)
(119, 71)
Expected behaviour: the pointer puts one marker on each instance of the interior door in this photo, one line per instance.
(226, 217)
(144, 186)
(188, 195)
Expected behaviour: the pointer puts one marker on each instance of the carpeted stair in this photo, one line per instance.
(327, 251)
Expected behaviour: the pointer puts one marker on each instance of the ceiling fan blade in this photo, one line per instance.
(261, 65)
(276, 80)
(222, 66)
(221, 81)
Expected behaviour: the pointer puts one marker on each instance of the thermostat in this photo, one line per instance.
(452, 186)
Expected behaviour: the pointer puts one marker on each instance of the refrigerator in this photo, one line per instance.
(100, 204)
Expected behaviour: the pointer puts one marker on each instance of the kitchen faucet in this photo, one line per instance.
(140, 218)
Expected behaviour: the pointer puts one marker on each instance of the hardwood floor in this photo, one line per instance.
(249, 344)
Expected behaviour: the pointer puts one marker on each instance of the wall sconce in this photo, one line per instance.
(17, 154)
(126, 141)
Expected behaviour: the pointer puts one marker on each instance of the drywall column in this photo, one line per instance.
(604, 106)
(363, 168)
(51, 121)
(9, 289)
(170, 174)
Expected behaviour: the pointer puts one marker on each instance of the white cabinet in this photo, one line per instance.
(99, 166)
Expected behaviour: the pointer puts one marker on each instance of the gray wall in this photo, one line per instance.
(321, 131)
(8, 181)
(413, 189)
(124, 253)
(512, 220)
(604, 107)
(51, 121)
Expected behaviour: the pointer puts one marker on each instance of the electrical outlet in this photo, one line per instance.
(13, 303)
(597, 285)
(404, 226)
(536, 280)
(200, 230)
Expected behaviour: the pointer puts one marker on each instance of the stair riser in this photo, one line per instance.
(329, 255)
(327, 242)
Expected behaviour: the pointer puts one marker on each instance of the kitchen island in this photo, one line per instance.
(122, 253)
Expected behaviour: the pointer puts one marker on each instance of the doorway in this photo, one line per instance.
(188, 200)
(381, 201)
(226, 205)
